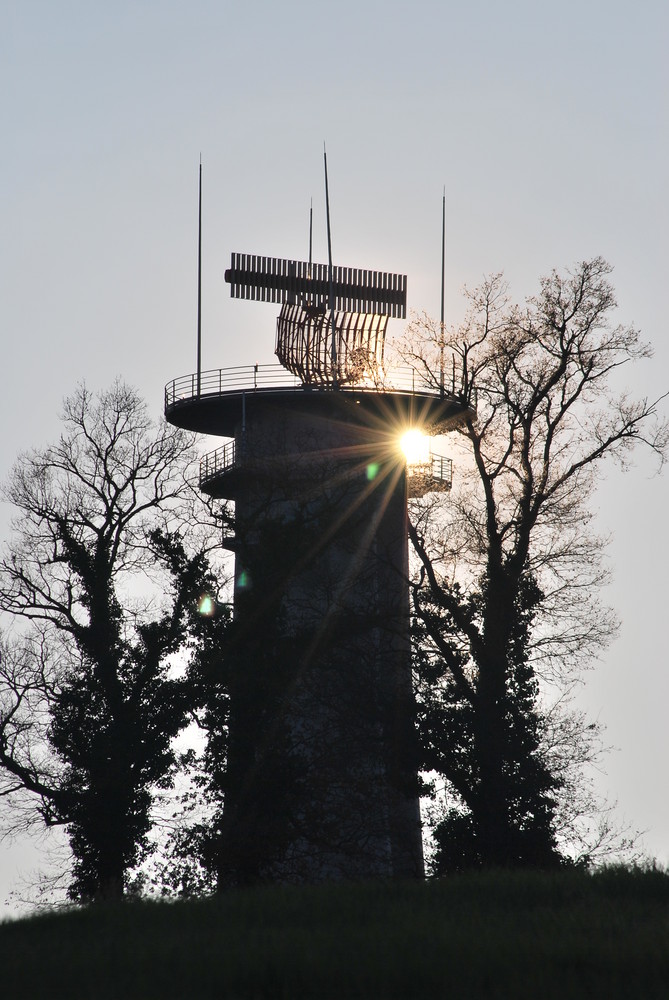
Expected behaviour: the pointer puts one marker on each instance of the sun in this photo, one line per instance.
(416, 447)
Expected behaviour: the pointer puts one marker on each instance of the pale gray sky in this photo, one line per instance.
(547, 123)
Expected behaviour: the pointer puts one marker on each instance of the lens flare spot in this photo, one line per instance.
(416, 447)
(243, 580)
(206, 605)
(372, 471)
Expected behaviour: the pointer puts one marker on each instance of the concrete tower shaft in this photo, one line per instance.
(322, 767)
(333, 509)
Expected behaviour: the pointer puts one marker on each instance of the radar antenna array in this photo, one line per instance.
(270, 279)
(362, 302)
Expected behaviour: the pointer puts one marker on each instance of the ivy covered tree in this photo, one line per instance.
(456, 743)
(102, 579)
(509, 568)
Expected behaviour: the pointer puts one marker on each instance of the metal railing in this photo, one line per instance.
(243, 378)
(434, 473)
(272, 378)
(224, 459)
(442, 469)
(215, 463)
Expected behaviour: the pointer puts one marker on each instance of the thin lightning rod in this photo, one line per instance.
(443, 281)
(199, 284)
(333, 348)
(311, 232)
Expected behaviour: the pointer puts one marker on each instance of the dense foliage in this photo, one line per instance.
(509, 568)
(106, 578)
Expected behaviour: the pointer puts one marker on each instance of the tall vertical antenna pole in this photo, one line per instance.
(333, 348)
(311, 234)
(443, 279)
(199, 285)
(308, 357)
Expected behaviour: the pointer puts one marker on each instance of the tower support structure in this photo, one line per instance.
(322, 766)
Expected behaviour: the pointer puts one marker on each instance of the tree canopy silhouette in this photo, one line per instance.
(509, 568)
(104, 568)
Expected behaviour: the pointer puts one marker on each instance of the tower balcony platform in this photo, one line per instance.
(225, 470)
(433, 476)
(219, 401)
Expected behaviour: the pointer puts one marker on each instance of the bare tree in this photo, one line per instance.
(509, 568)
(101, 584)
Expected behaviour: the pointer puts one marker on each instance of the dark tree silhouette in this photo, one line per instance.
(106, 579)
(459, 741)
(509, 568)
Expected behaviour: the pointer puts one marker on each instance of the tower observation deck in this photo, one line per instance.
(322, 764)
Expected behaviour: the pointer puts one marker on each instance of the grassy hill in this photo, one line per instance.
(502, 935)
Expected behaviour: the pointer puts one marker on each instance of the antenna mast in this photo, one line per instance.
(199, 284)
(311, 233)
(333, 348)
(443, 275)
